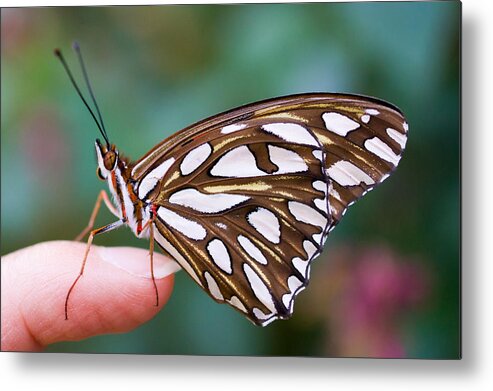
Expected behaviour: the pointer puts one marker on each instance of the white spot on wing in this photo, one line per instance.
(397, 136)
(266, 223)
(286, 300)
(318, 238)
(365, 118)
(191, 229)
(195, 158)
(150, 180)
(232, 128)
(213, 287)
(405, 126)
(288, 161)
(261, 316)
(235, 302)
(301, 265)
(339, 124)
(372, 111)
(319, 185)
(206, 203)
(321, 203)
(237, 163)
(334, 193)
(294, 283)
(219, 254)
(306, 214)
(252, 249)
(347, 174)
(259, 288)
(291, 132)
(382, 150)
(318, 154)
(310, 248)
(176, 255)
(240, 163)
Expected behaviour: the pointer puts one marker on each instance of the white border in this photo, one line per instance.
(474, 372)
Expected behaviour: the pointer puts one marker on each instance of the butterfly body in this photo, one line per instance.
(131, 210)
(245, 200)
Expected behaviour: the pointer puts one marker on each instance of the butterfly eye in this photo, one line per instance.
(109, 160)
(100, 174)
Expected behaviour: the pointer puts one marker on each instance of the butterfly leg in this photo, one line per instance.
(106, 228)
(103, 196)
(151, 250)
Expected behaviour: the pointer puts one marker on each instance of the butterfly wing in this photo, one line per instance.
(246, 199)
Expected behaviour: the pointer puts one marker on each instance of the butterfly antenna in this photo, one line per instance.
(58, 53)
(76, 47)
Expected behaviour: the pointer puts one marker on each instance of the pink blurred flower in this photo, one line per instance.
(365, 295)
(16, 30)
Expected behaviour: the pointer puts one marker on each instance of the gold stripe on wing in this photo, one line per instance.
(255, 186)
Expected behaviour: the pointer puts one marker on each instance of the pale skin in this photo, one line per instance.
(115, 294)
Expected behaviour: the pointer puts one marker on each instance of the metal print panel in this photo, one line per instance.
(291, 114)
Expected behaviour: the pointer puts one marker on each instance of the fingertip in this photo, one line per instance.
(138, 262)
(115, 293)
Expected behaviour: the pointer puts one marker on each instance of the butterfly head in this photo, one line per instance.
(107, 159)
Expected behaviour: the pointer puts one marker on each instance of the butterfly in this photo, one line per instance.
(245, 200)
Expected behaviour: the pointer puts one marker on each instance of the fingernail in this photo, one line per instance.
(137, 262)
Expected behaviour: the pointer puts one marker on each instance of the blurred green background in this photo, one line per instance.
(388, 283)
